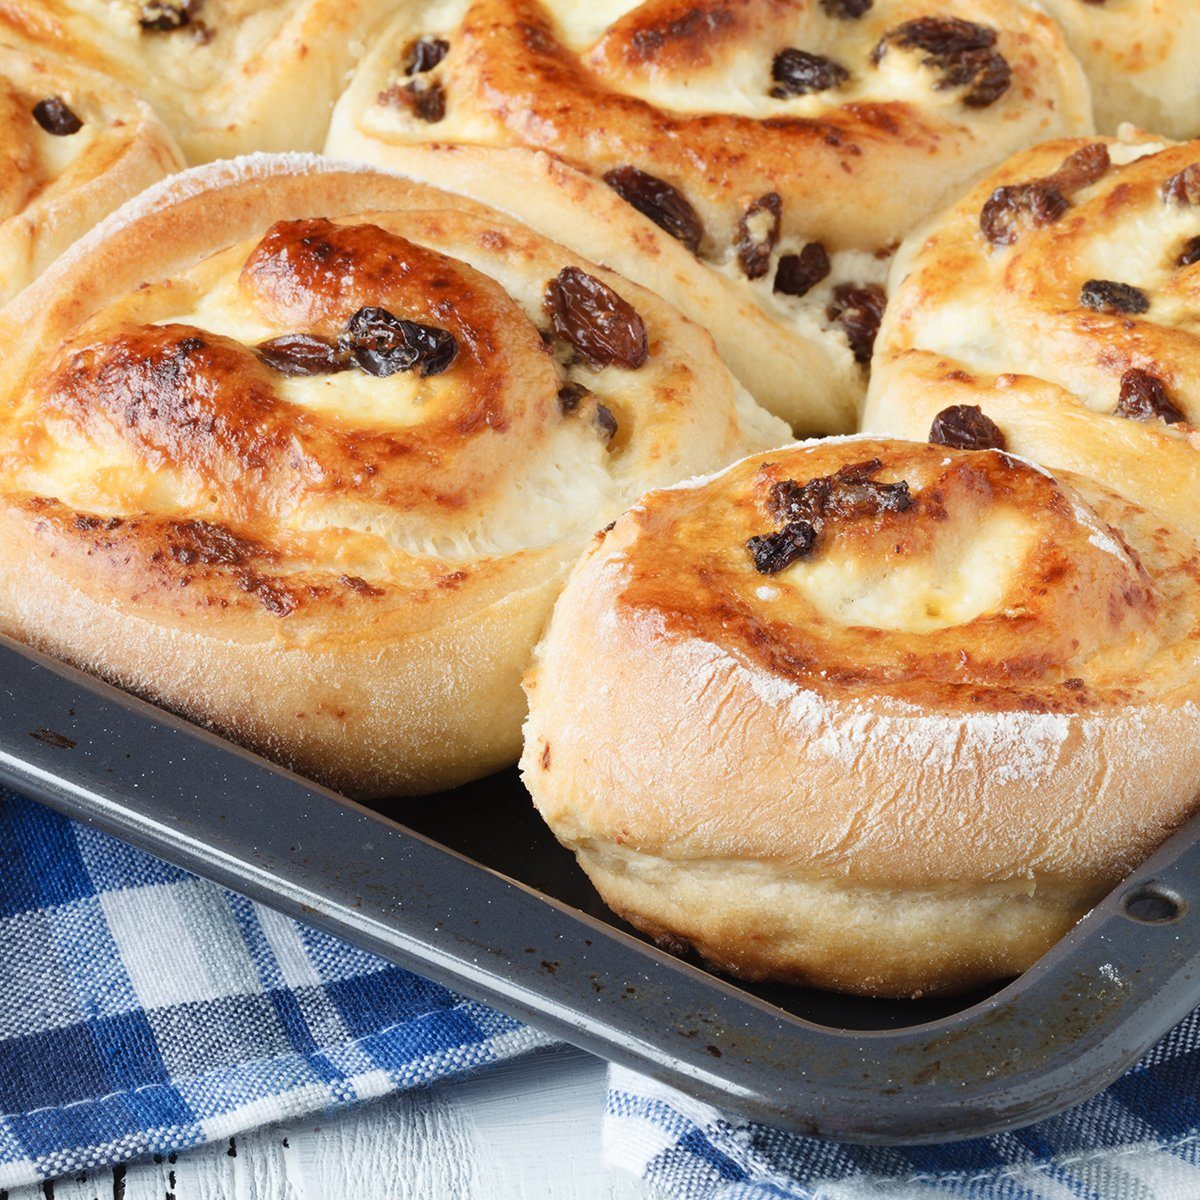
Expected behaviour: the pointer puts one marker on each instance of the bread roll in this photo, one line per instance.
(873, 715)
(754, 163)
(1061, 298)
(304, 451)
(1141, 58)
(227, 76)
(74, 147)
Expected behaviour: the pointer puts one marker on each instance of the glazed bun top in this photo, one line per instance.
(1140, 56)
(227, 76)
(222, 404)
(737, 127)
(74, 146)
(913, 576)
(1061, 296)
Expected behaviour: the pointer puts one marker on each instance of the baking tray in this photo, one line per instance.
(470, 889)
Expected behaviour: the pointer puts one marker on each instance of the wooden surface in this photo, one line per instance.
(528, 1130)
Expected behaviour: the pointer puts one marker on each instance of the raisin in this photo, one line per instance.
(53, 115)
(774, 552)
(849, 492)
(804, 510)
(846, 10)
(303, 354)
(606, 422)
(667, 207)
(962, 51)
(424, 54)
(966, 427)
(427, 100)
(162, 16)
(569, 397)
(1108, 296)
(858, 309)
(382, 344)
(758, 233)
(798, 273)
(1144, 398)
(797, 73)
(1041, 201)
(1190, 253)
(1184, 187)
(603, 327)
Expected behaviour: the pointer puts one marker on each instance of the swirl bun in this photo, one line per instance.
(1060, 298)
(754, 163)
(1140, 59)
(74, 147)
(316, 480)
(957, 696)
(227, 76)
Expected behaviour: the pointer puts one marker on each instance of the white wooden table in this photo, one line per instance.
(528, 1130)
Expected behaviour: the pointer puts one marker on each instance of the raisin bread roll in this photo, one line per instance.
(305, 451)
(227, 76)
(1054, 310)
(872, 715)
(74, 147)
(1141, 58)
(754, 163)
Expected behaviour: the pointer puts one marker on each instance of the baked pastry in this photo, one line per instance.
(227, 76)
(874, 715)
(753, 163)
(1061, 299)
(1140, 56)
(304, 451)
(74, 147)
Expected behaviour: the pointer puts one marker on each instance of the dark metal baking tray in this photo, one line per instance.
(470, 889)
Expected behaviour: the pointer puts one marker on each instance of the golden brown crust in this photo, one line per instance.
(976, 703)
(685, 94)
(94, 147)
(227, 76)
(374, 546)
(1013, 308)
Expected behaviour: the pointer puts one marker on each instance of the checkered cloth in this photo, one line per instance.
(1139, 1140)
(143, 1010)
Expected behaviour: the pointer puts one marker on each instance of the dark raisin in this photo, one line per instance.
(798, 273)
(963, 52)
(606, 422)
(424, 54)
(1190, 253)
(604, 328)
(427, 98)
(303, 354)
(1106, 295)
(797, 73)
(569, 397)
(1183, 188)
(758, 233)
(53, 115)
(804, 510)
(382, 344)
(162, 16)
(667, 207)
(773, 552)
(1144, 398)
(858, 309)
(966, 427)
(846, 10)
(1041, 201)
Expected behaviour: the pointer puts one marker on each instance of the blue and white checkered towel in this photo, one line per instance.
(143, 1010)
